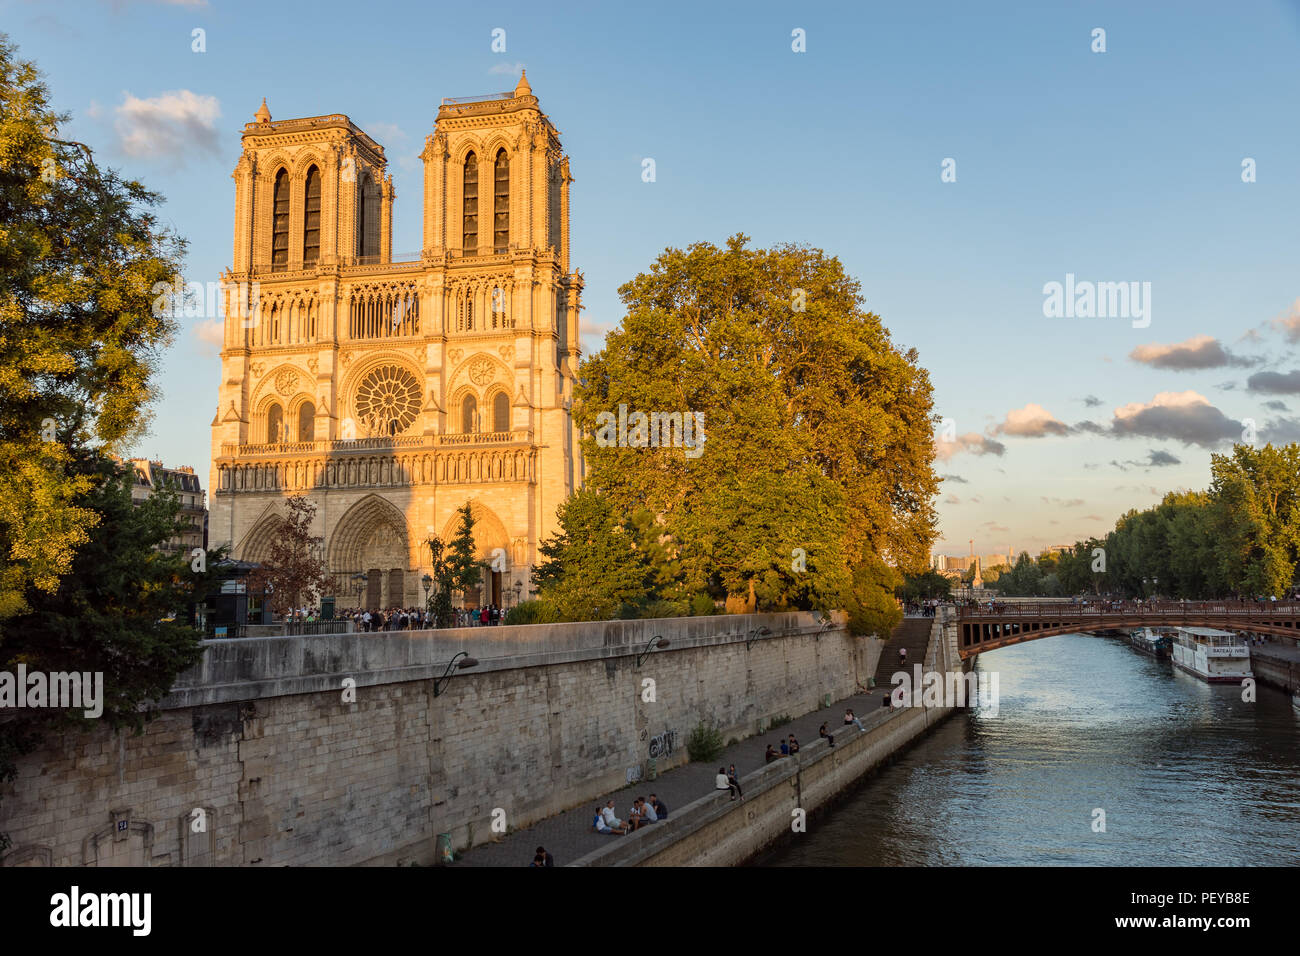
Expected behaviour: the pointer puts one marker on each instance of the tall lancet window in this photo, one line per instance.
(311, 219)
(501, 204)
(469, 415)
(501, 412)
(469, 231)
(275, 424)
(280, 222)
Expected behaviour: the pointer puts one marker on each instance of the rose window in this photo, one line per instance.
(388, 399)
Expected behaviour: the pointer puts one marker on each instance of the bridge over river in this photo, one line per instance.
(986, 628)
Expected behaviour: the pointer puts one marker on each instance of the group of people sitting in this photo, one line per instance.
(789, 748)
(643, 811)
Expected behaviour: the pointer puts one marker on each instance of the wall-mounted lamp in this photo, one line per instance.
(656, 641)
(754, 635)
(441, 682)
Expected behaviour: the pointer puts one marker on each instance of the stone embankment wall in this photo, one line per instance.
(714, 831)
(336, 749)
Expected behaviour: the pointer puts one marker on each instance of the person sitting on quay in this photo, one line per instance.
(794, 745)
(824, 733)
(771, 753)
(723, 782)
(851, 718)
(601, 825)
(611, 817)
(785, 749)
(660, 808)
(634, 818)
(648, 814)
(734, 780)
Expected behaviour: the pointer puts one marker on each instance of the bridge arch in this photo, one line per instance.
(982, 629)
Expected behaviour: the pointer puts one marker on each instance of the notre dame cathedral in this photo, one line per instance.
(392, 392)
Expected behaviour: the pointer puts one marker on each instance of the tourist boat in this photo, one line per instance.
(1211, 654)
(1149, 641)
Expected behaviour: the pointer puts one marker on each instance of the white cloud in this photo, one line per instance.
(972, 442)
(210, 333)
(1183, 416)
(1289, 324)
(174, 125)
(1198, 352)
(1032, 421)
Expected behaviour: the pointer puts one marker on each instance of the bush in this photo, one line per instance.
(780, 721)
(702, 605)
(704, 743)
(532, 612)
(663, 608)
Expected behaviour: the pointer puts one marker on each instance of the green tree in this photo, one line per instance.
(1257, 521)
(592, 568)
(819, 430)
(929, 584)
(453, 567)
(80, 252)
(118, 611)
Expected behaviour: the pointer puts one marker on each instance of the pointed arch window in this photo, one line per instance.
(465, 317)
(469, 229)
(501, 204)
(307, 422)
(469, 415)
(501, 412)
(280, 221)
(274, 424)
(498, 307)
(367, 216)
(311, 218)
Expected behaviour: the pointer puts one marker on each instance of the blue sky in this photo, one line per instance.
(1117, 166)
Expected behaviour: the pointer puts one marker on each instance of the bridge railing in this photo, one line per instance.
(1102, 610)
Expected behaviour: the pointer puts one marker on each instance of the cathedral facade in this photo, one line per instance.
(391, 393)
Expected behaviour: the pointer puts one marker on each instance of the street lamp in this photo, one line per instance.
(360, 580)
(517, 588)
(428, 583)
(441, 682)
(754, 635)
(656, 641)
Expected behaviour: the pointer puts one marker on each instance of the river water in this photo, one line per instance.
(1187, 773)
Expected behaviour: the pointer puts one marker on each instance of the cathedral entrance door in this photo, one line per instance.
(374, 588)
(496, 588)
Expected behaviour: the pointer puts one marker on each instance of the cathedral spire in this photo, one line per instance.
(523, 89)
(263, 115)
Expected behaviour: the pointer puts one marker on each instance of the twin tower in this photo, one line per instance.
(392, 389)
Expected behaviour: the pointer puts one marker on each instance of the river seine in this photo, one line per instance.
(1187, 773)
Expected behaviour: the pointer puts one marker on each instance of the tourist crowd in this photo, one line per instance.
(415, 618)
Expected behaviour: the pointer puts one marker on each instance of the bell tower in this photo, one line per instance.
(309, 192)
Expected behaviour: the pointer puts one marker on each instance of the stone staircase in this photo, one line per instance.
(914, 634)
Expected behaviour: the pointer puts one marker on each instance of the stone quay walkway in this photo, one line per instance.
(567, 836)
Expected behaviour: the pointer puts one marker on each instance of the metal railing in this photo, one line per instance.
(1101, 611)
